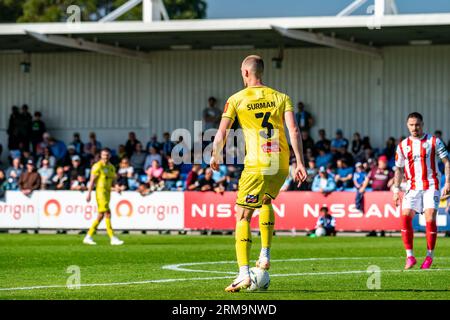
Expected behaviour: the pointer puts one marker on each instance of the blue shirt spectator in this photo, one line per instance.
(323, 182)
(359, 176)
(344, 174)
(58, 149)
(324, 158)
(339, 144)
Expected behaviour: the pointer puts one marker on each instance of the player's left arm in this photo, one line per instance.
(441, 152)
(446, 189)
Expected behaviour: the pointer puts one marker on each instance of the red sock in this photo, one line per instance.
(431, 234)
(407, 232)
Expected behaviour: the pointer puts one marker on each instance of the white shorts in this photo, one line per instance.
(419, 200)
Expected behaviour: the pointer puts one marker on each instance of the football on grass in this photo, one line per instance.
(260, 279)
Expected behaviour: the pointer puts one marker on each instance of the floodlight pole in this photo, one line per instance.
(152, 10)
(382, 7)
(351, 8)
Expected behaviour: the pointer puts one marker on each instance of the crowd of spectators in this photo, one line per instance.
(38, 160)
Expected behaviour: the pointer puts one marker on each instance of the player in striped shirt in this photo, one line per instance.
(417, 157)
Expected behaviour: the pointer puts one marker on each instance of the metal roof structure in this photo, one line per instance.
(364, 34)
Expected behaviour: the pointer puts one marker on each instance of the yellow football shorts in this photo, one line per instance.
(103, 199)
(253, 186)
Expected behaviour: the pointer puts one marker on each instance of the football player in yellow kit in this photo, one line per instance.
(262, 113)
(103, 174)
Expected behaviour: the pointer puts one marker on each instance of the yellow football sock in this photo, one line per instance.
(243, 242)
(93, 228)
(266, 225)
(109, 229)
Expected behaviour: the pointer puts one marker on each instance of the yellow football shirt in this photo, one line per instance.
(260, 112)
(105, 176)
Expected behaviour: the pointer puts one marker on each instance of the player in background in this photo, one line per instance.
(103, 174)
(261, 112)
(417, 158)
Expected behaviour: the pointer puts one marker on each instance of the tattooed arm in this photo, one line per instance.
(398, 178)
(446, 189)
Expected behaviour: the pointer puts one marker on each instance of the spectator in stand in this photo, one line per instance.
(17, 153)
(167, 145)
(309, 154)
(327, 222)
(230, 183)
(171, 175)
(137, 160)
(389, 151)
(26, 155)
(339, 144)
(76, 167)
(154, 176)
(24, 127)
(152, 156)
(16, 169)
(311, 172)
(43, 144)
(358, 180)
(1, 151)
(192, 177)
(29, 180)
(323, 182)
(79, 183)
(3, 183)
(380, 178)
(211, 115)
(60, 180)
(357, 146)
(122, 152)
(181, 152)
(130, 145)
(304, 119)
(154, 143)
(59, 149)
(308, 142)
(207, 183)
(124, 174)
(14, 122)
(344, 175)
(323, 142)
(93, 142)
(67, 161)
(38, 129)
(324, 158)
(46, 172)
(78, 144)
(47, 154)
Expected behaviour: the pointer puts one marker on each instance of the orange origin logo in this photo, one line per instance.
(124, 208)
(52, 208)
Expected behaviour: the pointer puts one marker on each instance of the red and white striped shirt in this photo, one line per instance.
(419, 158)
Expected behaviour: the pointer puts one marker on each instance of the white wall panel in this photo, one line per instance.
(84, 91)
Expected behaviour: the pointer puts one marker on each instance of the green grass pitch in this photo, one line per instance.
(157, 267)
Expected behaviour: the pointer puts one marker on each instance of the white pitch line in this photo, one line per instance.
(179, 267)
(172, 267)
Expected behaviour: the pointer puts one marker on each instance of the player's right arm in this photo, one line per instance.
(228, 117)
(91, 183)
(398, 175)
(297, 145)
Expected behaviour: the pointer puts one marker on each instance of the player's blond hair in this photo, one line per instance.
(255, 65)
